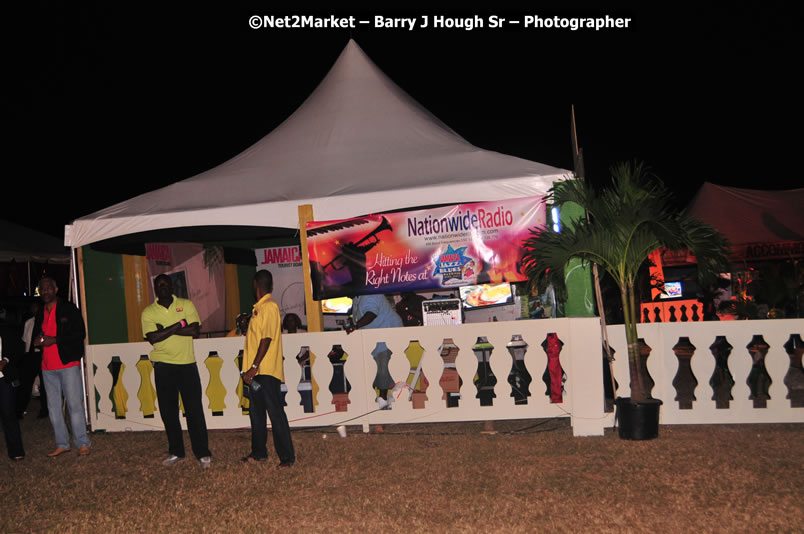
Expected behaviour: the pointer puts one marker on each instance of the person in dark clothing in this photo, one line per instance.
(11, 349)
(30, 367)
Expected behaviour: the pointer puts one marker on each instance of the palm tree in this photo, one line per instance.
(625, 223)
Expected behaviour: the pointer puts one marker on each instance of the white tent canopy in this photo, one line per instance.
(357, 145)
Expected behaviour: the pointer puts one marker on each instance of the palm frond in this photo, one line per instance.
(624, 224)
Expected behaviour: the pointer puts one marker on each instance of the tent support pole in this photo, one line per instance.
(315, 318)
(80, 287)
(77, 257)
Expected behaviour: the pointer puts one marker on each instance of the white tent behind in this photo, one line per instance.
(359, 144)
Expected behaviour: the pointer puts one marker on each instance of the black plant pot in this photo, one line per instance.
(638, 421)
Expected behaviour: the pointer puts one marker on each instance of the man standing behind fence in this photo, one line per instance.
(264, 373)
(170, 324)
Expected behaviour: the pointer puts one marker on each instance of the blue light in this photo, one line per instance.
(554, 215)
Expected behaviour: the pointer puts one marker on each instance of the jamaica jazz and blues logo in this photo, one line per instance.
(450, 266)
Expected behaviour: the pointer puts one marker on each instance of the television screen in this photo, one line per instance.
(672, 290)
(486, 295)
(339, 305)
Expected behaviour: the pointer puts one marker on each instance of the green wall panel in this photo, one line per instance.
(245, 275)
(578, 277)
(105, 297)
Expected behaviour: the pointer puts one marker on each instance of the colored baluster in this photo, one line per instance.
(383, 381)
(215, 391)
(305, 387)
(450, 381)
(339, 386)
(416, 381)
(147, 391)
(118, 394)
(244, 402)
(518, 377)
(484, 378)
(672, 310)
(554, 376)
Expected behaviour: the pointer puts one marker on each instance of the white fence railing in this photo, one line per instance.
(129, 407)
(663, 366)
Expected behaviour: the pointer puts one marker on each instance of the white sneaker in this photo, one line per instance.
(206, 462)
(172, 460)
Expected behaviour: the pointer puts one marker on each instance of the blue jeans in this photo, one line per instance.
(67, 384)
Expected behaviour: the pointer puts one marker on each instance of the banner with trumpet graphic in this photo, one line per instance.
(449, 246)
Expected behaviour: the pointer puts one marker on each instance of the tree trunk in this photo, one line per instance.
(632, 338)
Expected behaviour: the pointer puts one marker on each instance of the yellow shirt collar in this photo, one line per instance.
(263, 300)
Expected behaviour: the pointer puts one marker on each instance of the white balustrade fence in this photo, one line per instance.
(580, 357)
(663, 366)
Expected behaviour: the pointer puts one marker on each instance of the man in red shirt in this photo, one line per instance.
(60, 331)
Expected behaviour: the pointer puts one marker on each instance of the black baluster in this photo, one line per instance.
(794, 378)
(758, 379)
(684, 381)
(721, 380)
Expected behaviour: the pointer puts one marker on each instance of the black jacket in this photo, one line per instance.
(13, 349)
(70, 330)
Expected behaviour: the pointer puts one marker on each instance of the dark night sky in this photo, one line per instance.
(109, 102)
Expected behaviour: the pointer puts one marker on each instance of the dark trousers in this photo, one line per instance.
(31, 368)
(269, 399)
(8, 415)
(171, 381)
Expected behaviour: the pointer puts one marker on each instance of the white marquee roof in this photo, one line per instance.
(359, 144)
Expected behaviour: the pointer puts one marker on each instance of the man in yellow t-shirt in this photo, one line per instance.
(170, 324)
(263, 371)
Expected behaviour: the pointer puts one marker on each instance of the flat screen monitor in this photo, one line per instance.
(672, 290)
(485, 295)
(336, 306)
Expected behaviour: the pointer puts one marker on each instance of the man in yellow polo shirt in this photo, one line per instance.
(263, 372)
(170, 324)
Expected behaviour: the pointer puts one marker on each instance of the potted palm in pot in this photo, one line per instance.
(625, 222)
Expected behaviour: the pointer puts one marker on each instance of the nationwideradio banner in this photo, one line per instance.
(463, 244)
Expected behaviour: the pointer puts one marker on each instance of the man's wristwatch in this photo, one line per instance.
(254, 366)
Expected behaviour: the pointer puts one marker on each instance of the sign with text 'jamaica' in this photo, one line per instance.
(463, 244)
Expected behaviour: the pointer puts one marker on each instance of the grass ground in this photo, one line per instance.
(532, 476)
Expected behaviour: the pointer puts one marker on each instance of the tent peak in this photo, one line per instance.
(357, 144)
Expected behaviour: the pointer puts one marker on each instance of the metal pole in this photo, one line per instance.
(76, 269)
(578, 167)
